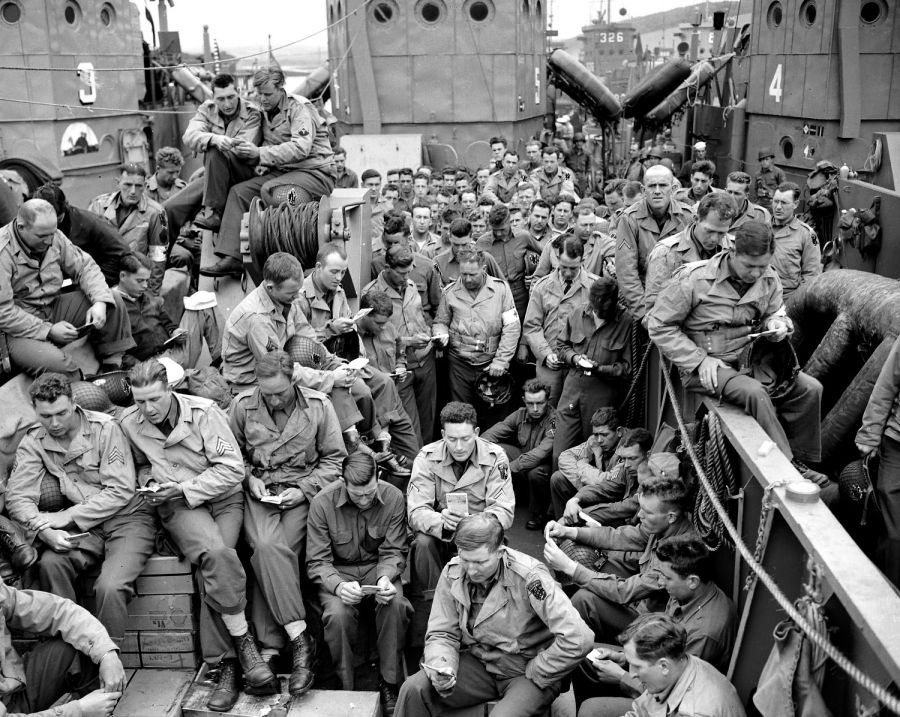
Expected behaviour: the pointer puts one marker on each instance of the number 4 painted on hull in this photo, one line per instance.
(775, 88)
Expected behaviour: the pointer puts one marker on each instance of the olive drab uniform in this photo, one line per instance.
(599, 257)
(513, 643)
(550, 187)
(305, 452)
(752, 213)
(96, 482)
(501, 188)
(797, 257)
(703, 314)
(194, 446)
(485, 478)
(766, 182)
(637, 232)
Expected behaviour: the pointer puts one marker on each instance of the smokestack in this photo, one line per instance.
(207, 52)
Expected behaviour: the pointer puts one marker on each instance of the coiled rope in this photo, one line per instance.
(717, 464)
(635, 402)
(857, 675)
(287, 227)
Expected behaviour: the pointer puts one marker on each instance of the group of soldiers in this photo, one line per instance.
(338, 457)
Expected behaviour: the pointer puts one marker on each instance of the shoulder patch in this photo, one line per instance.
(551, 426)
(504, 471)
(303, 132)
(536, 588)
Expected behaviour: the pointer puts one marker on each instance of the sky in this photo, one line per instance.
(288, 21)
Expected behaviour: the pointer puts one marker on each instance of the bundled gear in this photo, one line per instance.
(857, 488)
(494, 390)
(773, 363)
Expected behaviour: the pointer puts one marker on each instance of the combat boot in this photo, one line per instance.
(388, 694)
(258, 676)
(303, 664)
(20, 554)
(225, 694)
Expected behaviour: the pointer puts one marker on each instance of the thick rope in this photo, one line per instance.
(857, 675)
(292, 229)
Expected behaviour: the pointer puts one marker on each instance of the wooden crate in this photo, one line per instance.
(154, 693)
(160, 660)
(157, 612)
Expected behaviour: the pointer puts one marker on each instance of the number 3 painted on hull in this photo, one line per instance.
(88, 77)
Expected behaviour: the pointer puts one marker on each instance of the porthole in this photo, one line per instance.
(384, 11)
(525, 7)
(787, 147)
(431, 11)
(11, 12)
(775, 15)
(72, 12)
(479, 10)
(108, 15)
(872, 11)
(808, 12)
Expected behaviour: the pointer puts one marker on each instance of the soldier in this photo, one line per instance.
(188, 457)
(657, 216)
(87, 458)
(295, 151)
(217, 127)
(509, 247)
(737, 184)
(501, 629)
(706, 236)
(345, 178)
(551, 179)
(36, 317)
(701, 322)
(499, 146)
(292, 446)
(503, 184)
(422, 239)
(459, 463)
(406, 186)
(687, 167)
(446, 263)
(68, 632)
(700, 186)
(140, 220)
(598, 252)
(539, 222)
(166, 181)
(561, 218)
(579, 161)
(655, 649)
(552, 300)
(356, 553)
(768, 178)
(595, 344)
(797, 256)
(413, 327)
(526, 435)
(323, 302)
(608, 601)
(612, 198)
(477, 318)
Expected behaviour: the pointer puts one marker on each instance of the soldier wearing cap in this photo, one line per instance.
(797, 255)
(656, 216)
(737, 184)
(87, 458)
(607, 601)
(501, 629)
(702, 322)
(478, 320)
(551, 179)
(460, 463)
(768, 178)
(579, 161)
(687, 167)
(706, 236)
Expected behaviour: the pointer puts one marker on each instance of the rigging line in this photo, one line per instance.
(333, 73)
(864, 680)
(90, 109)
(196, 64)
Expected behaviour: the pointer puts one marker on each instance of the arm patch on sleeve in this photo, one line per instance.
(536, 588)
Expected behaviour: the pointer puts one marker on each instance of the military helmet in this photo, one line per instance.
(311, 354)
(765, 152)
(494, 390)
(773, 363)
(117, 387)
(90, 396)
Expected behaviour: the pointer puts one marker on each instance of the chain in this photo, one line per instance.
(761, 539)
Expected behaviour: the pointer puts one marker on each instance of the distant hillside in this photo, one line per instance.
(672, 18)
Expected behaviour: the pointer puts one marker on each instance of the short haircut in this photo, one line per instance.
(396, 224)
(571, 246)
(468, 191)
(148, 372)
(421, 204)
(449, 171)
(614, 186)
(133, 263)
(754, 239)
(268, 74)
(604, 292)
(133, 168)
(632, 189)
(511, 153)
(789, 187)
(477, 530)
(378, 301)
(719, 202)
(339, 151)
(369, 174)
(540, 203)
(640, 437)
(406, 172)
(459, 412)
(421, 175)
(359, 468)
(499, 140)
(471, 255)
(703, 166)
(606, 416)
(48, 387)
(655, 635)
(670, 491)
(52, 194)
(564, 199)
(273, 364)
(498, 215)
(169, 157)
(739, 178)
(391, 187)
(329, 248)
(448, 215)
(688, 555)
(281, 266)
(585, 210)
(460, 227)
(393, 170)
(535, 385)
(534, 143)
(223, 80)
(398, 257)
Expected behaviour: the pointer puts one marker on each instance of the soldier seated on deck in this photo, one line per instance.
(36, 316)
(501, 629)
(85, 456)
